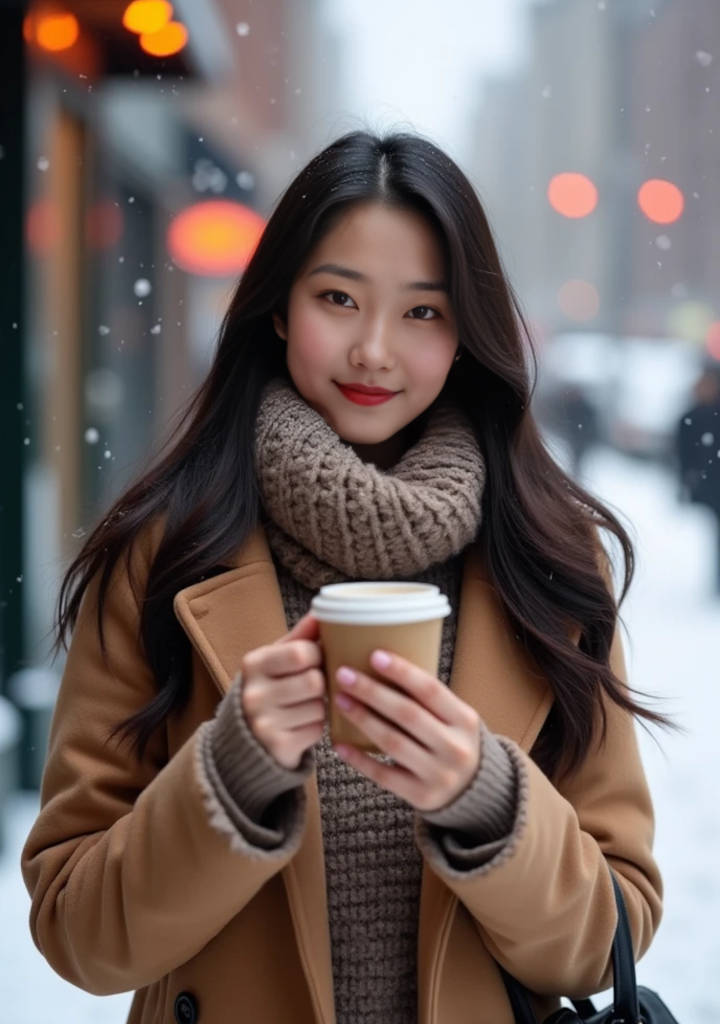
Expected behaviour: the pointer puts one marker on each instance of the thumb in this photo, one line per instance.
(306, 628)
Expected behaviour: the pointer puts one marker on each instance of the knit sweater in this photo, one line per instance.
(373, 841)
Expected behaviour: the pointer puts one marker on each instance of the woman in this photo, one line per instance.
(200, 840)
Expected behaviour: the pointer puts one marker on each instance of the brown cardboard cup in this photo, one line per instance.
(356, 618)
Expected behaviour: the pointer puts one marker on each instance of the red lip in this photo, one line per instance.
(365, 390)
(362, 398)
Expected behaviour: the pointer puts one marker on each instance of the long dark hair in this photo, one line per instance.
(540, 536)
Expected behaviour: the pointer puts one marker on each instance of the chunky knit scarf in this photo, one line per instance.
(333, 517)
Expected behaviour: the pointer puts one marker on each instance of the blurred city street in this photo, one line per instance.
(144, 150)
(674, 630)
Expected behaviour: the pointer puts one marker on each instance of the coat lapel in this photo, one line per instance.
(225, 617)
(241, 609)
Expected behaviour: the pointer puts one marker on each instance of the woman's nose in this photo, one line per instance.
(375, 347)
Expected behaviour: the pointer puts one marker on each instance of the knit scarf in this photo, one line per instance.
(332, 517)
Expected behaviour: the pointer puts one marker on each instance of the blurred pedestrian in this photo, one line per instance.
(697, 447)
(570, 414)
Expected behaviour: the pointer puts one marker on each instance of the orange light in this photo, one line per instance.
(215, 238)
(42, 227)
(147, 15)
(56, 32)
(168, 40)
(712, 341)
(579, 300)
(660, 201)
(28, 28)
(572, 195)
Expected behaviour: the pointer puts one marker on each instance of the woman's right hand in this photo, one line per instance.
(283, 690)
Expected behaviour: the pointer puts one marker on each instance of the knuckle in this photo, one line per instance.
(317, 681)
(393, 742)
(426, 690)
(250, 699)
(412, 718)
(458, 750)
(472, 719)
(248, 663)
(298, 660)
(260, 727)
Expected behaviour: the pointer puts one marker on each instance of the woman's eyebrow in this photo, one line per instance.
(355, 275)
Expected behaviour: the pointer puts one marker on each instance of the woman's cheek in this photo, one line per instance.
(432, 362)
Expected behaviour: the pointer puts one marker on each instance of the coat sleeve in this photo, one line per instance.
(128, 875)
(545, 904)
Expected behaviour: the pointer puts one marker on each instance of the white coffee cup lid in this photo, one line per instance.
(360, 603)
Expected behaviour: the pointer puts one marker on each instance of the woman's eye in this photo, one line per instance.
(334, 293)
(425, 308)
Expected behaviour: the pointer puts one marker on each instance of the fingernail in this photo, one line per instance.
(343, 702)
(380, 659)
(346, 675)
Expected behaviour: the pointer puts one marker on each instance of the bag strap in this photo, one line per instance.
(625, 999)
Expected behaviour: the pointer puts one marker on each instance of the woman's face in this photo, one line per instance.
(380, 316)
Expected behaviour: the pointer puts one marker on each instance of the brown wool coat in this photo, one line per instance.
(133, 888)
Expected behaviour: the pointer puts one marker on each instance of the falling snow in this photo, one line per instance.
(92, 435)
(142, 287)
(245, 179)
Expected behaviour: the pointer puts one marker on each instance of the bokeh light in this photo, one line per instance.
(660, 201)
(578, 300)
(55, 32)
(147, 15)
(42, 227)
(215, 238)
(572, 195)
(170, 39)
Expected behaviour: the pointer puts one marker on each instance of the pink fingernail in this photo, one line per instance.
(380, 659)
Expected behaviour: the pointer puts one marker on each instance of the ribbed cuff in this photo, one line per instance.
(485, 810)
(448, 851)
(250, 774)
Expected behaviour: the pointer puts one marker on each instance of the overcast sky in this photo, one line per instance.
(421, 62)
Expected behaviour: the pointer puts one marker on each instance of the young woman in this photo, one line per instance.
(200, 840)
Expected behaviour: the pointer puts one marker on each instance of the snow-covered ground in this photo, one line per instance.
(674, 643)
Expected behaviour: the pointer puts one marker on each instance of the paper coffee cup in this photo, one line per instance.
(356, 618)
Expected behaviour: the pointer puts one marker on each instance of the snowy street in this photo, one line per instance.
(673, 625)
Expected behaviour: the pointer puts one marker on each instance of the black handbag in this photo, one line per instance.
(632, 1004)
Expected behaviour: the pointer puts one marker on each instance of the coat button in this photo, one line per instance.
(186, 1011)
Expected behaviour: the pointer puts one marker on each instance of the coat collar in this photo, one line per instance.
(241, 609)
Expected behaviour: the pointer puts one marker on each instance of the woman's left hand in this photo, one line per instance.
(432, 736)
